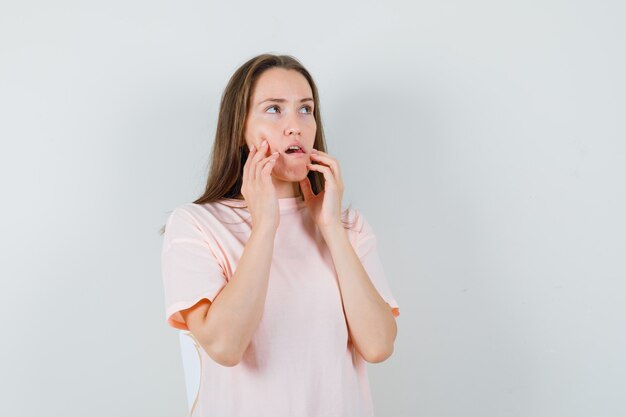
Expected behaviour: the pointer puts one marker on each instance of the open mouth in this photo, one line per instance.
(294, 150)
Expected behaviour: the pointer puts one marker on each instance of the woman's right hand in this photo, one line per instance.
(258, 189)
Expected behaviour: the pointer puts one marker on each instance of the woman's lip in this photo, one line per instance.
(295, 154)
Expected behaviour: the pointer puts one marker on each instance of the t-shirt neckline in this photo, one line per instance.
(284, 204)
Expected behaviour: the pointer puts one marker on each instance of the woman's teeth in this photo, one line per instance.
(294, 149)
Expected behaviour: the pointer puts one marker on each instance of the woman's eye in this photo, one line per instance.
(272, 107)
(308, 109)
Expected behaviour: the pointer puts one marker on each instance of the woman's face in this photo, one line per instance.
(281, 111)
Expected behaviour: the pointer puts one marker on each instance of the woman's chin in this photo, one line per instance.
(293, 174)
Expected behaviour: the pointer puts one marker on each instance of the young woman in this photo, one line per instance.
(283, 291)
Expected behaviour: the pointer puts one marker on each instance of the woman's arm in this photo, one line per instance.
(371, 323)
(233, 316)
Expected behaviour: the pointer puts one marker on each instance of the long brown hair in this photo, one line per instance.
(230, 152)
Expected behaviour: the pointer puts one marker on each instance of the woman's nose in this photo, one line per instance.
(292, 130)
(293, 126)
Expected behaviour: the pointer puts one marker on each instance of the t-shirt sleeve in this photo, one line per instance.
(190, 269)
(367, 250)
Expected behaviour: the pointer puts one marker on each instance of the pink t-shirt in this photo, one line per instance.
(300, 361)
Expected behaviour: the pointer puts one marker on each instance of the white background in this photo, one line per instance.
(485, 141)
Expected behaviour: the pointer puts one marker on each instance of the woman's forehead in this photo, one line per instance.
(279, 83)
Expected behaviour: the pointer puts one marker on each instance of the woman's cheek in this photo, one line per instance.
(269, 135)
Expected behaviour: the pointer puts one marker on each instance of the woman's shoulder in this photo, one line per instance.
(210, 219)
(185, 213)
(188, 209)
(193, 213)
(210, 208)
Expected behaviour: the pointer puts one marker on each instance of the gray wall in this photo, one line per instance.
(485, 141)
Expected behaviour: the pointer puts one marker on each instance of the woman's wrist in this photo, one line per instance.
(264, 229)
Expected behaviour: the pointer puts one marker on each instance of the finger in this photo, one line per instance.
(261, 152)
(307, 190)
(328, 174)
(330, 161)
(246, 165)
(267, 170)
(260, 165)
(263, 148)
(260, 159)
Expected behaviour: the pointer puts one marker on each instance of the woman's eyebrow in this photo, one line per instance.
(282, 100)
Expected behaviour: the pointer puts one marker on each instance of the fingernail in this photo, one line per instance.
(264, 142)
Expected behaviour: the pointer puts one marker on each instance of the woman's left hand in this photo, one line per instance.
(325, 207)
